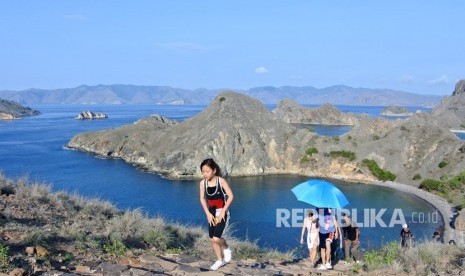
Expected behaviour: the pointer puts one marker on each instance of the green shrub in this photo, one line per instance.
(343, 153)
(432, 185)
(304, 159)
(383, 257)
(457, 181)
(157, 238)
(311, 151)
(3, 256)
(116, 248)
(376, 137)
(336, 138)
(416, 177)
(403, 128)
(349, 137)
(443, 163)
(379, 173)
(222, 99)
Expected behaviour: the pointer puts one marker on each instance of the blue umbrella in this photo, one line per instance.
(320, 193)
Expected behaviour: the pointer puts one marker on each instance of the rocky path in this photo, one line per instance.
(147, 265)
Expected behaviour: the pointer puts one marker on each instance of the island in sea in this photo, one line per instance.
(10, 110)
(396, 111)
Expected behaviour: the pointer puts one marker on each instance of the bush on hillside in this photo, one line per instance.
(381, 258)
(343, 153)
(432, 185)
(443, 163)
(379, 173)
(311, 151)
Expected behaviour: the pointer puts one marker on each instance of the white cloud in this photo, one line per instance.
(184, 46)
(261, 70)
(441, 80)
(406, 78)
(74, 17)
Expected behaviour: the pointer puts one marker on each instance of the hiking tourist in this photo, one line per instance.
(406, 236)
(351, 238)
(329, 231)
(311, 225)
(215, 197)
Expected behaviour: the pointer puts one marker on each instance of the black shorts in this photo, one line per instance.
(217, 230)
(323, 237)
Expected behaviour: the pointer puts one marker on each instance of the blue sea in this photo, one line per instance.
(34, 147)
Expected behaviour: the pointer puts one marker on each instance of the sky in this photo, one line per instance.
(416, 46)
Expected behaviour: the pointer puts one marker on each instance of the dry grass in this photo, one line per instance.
(431, 258)
(423, 259)
(89, 228)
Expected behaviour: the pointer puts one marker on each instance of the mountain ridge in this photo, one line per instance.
(140, 94)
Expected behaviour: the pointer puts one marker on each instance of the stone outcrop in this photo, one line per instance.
(89, 115)
(6, 116)
(451, 112)
(327, 114)
(459, 88)
(396, 111)
(11, 110)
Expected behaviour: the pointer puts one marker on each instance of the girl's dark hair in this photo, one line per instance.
(212, 164)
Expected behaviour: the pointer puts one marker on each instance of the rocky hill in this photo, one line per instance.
(395, 111)
(292, 112)
(451, 112)
(11, 110)
(238, 131)
(134, 94)
(248, 139)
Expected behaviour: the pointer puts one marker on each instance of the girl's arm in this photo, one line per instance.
(203, 202)
(229, 192)
(224, 184)
(303, 232)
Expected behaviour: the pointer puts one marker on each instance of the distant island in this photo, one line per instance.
(396, 111)
(10, 110)
(89, 115)
(136, 94)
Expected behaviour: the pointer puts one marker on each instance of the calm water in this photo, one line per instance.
(34, 146)
(325, 130)
(461, 135)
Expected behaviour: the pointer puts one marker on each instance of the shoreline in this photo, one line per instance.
(446, 211)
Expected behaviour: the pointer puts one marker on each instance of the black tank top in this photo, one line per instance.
(214, 195)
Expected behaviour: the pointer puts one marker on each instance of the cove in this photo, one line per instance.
(33, 146)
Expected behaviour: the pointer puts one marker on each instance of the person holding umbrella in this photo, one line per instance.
(324, 195)
(329, 232)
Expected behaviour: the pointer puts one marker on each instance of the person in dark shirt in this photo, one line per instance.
(351, 238)
(436, 237)
(406, 236)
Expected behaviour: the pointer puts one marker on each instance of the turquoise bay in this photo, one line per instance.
(34, 147)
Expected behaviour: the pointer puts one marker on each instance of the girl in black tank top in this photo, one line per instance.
(216, 197)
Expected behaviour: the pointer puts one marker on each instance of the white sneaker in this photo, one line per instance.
(227, 255)
(328, 266)
(322, 267)
(217, 265)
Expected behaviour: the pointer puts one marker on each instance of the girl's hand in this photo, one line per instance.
(220, 218)
(210, 219)
(301, 240)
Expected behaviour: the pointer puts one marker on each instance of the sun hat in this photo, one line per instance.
(405, 225)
